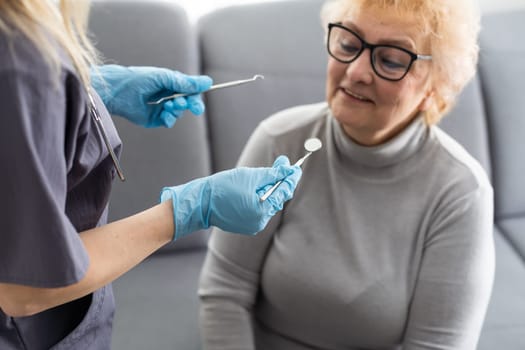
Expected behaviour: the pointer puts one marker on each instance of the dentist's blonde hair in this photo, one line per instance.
(48, 23)
(452, 28)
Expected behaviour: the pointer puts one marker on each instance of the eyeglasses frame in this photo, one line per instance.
(365, 45)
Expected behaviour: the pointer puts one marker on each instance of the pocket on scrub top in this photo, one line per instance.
(94, 331)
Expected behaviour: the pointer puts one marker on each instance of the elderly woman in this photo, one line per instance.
(388, 241)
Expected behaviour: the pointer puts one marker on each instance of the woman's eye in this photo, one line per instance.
(350, 48)
(392, 64)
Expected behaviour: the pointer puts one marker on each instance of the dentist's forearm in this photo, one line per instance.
(113, 249)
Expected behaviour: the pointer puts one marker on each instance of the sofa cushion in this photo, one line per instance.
(502, 73)
(505, 322)
(282, 41)
(514, 230)
(157, 304)
(152, 33)
(467, 123)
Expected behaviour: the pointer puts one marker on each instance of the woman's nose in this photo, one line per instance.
(361, 69)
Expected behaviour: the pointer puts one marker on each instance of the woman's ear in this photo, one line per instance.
(427, 101)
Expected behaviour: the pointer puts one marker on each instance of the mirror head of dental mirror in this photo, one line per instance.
(313, 144)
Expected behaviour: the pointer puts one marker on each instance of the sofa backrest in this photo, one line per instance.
(503, 74)
(467, 123)
(502, 71)
(152, 33)
(282, 41)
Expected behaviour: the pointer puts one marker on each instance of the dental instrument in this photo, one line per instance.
(310, 145)
(213, 87)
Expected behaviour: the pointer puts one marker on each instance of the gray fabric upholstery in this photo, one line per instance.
(468, 114)
(503, 72)
(157, 302)
(505, 321)
(514, 230)
(269, 39)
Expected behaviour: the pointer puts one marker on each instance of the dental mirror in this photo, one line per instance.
(310, 145)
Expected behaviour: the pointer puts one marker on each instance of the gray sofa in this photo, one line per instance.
(157, 302)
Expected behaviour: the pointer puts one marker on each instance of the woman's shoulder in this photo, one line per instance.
(295, 119)
(284, 133)
(457, 161)
(20, 56)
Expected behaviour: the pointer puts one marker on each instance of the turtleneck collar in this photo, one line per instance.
(394, 151)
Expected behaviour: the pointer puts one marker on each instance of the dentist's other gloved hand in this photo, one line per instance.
(230, 199)
(126, 90)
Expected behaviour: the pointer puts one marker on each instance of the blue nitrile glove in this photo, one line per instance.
(126, 90)
(230, 199)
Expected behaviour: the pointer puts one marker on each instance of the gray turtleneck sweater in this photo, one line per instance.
(386, 247)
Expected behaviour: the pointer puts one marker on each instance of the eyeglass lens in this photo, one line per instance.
(388, 62)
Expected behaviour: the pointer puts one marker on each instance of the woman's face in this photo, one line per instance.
(371, 109)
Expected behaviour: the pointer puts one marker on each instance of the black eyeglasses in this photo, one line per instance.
(389, 62)
(103, 135)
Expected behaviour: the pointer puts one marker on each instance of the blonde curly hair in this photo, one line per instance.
(452, 28)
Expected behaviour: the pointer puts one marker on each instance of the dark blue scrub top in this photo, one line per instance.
(55, 182)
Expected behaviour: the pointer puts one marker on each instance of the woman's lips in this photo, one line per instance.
(356, 96)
